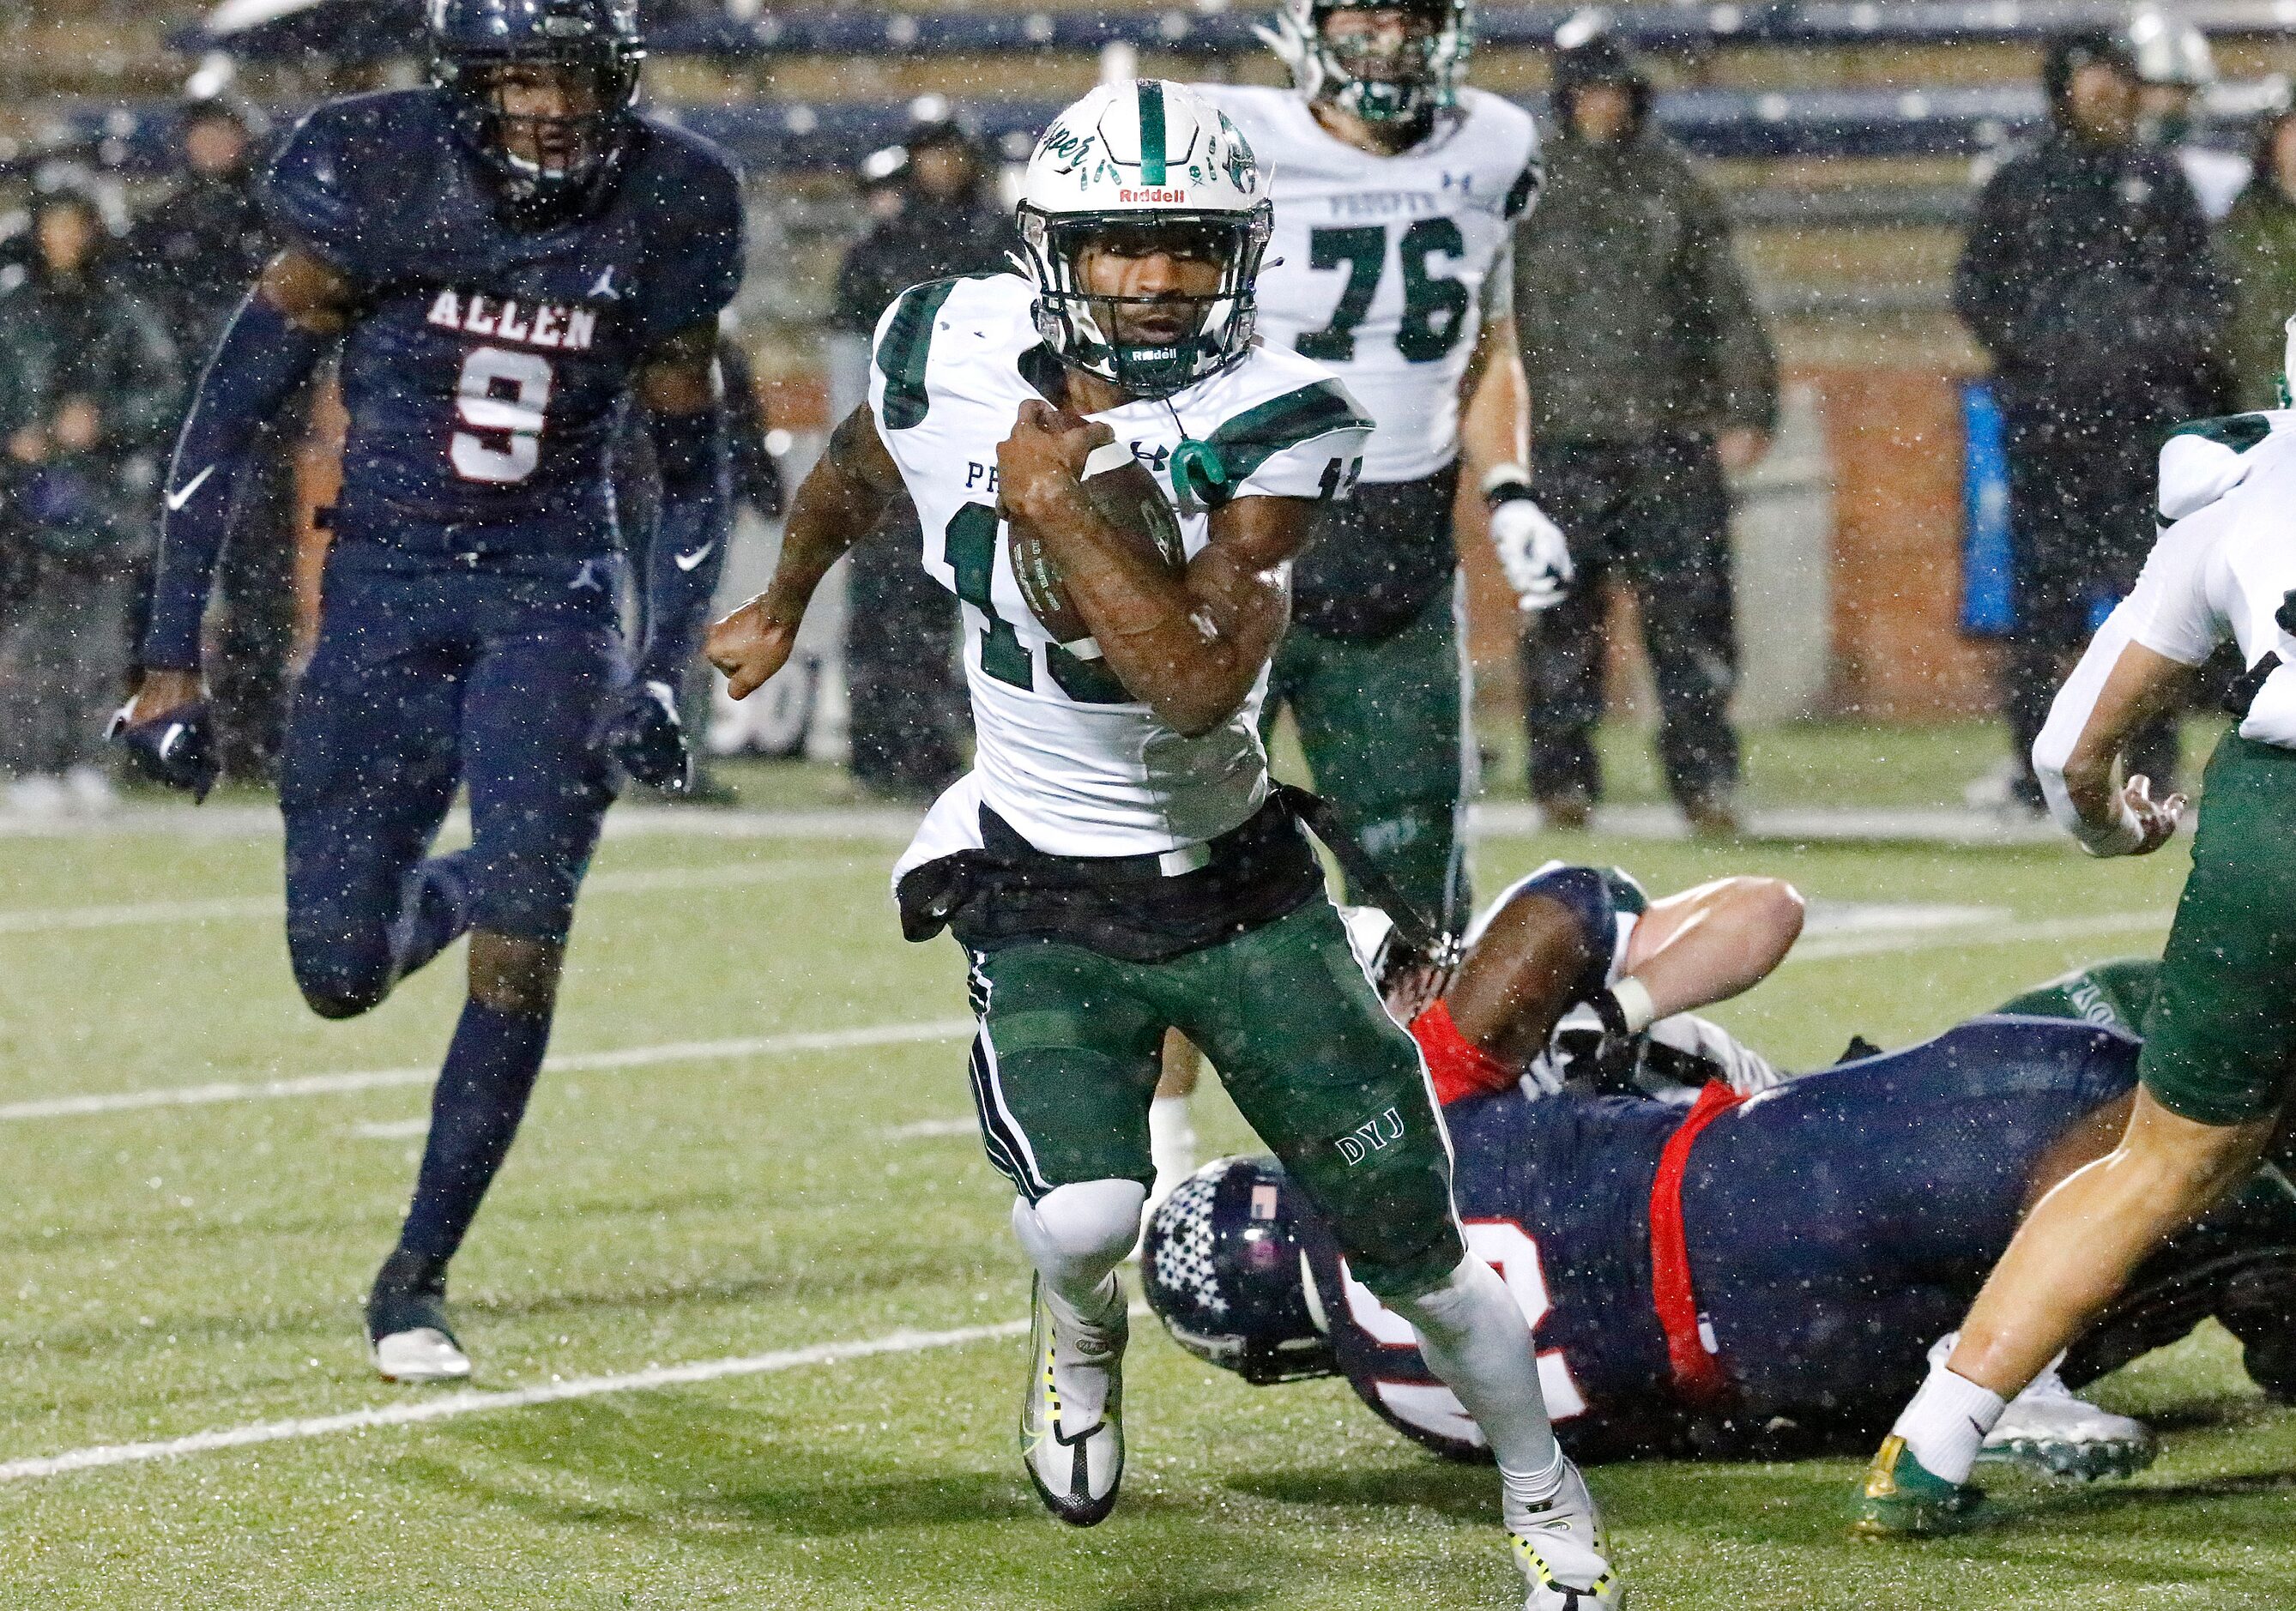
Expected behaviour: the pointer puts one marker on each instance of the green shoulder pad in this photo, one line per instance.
(901, 356)
(1258, 435)
(2239, 432)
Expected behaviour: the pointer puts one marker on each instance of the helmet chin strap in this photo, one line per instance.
(1197, 471)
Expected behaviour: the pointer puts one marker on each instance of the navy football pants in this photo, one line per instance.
(427, 676)
(1906, 1173)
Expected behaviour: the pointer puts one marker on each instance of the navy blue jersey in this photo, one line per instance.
(1834, 1225)
(489, 367)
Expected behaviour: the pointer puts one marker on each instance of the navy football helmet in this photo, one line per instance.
(544, 161)
(1224, 1270)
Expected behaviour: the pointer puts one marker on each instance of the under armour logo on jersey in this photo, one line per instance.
(604, 288)
(586, 577)
(1373, 1135)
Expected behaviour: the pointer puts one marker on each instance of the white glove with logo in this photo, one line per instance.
(1532, 550)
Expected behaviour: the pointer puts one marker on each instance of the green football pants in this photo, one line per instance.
(2220, 1041)
(1382, 724)
(1069, 1053)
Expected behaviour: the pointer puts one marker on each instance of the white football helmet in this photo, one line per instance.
(1144, 153)
(1424, 80)
(2170, 49)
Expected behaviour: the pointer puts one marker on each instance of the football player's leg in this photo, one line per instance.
(538, 796)
(1171, 1118)
(1063, 1070)
(1381, 721)
(372, 760)
(1336, 1088)
(2216, 1070)
(1681, 561)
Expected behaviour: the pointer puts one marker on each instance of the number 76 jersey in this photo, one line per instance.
(1385, 268)
(488, 367)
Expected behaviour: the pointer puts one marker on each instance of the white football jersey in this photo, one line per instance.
(1063, 754)
(2223, 568)
(1380, 266)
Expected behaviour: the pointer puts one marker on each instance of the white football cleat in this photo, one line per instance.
(1563, 1551)
(424, 1355)
(2049, 1431)
(1072, 1416)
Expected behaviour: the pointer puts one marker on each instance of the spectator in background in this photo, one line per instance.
(195, 254)
(2088, 277)
(1651, 375)
(89, 397)
(906, 711)
(2259, 243)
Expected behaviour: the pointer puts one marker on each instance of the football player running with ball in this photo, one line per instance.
(1117, 864)
(506, 260)
(1397, 190)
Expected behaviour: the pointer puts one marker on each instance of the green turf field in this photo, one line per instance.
(724, 1190)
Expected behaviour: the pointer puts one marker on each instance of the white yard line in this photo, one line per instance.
(1828, 948)
(393, 1130)
(1819, 948)
(138, 914)
(924, 1130)
(414, 1411)
(377, 1079)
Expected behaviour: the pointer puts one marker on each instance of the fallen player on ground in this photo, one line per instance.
(1748, 1277)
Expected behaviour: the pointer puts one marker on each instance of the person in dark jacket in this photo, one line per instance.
(906, 710)
(88, 398)
(193, 255)
(2088, 278)
(1650, 376)
(2259, 243)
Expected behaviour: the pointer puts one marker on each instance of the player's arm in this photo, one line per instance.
(2118, 687)
(1495, 393)
(684, 400)
(683, 394)
(1706, 945)
(1190, 645)
(1494, 442)
(838, 504)
(297, 309)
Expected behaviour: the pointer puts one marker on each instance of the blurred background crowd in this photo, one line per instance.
(1851, 328)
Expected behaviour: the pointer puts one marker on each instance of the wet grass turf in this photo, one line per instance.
(177, 1270)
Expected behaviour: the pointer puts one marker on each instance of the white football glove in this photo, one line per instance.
(1532, 552)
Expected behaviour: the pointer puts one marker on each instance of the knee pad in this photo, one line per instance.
(1092, 1222)
(340, 979)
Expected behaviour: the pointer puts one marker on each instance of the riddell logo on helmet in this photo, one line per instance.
(1152, 195)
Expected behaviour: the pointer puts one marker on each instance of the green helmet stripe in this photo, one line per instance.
(1152, 132)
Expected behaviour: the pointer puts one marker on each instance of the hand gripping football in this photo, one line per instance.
(1131, 503)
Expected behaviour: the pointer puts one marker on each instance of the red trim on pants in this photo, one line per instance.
(1698, 1377)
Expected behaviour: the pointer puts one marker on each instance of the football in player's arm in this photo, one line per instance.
(502, 260)
(1118, 865)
